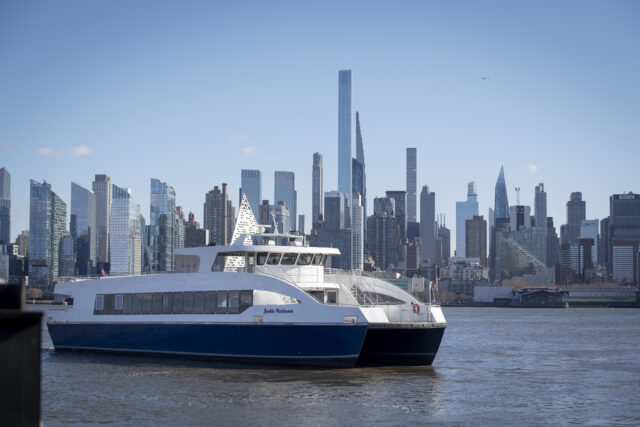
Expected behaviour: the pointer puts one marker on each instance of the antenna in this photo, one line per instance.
(518, 194)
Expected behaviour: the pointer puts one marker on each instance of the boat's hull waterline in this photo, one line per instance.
(308, 345)
(296, 345)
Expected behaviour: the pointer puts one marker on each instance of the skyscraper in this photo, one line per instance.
(251, 185)
(83, 228)
(427, 225)
(401, 215)
(360, 159)
(465, 211)
(284, 190)
(316, 188)
(540, 202)
(47, 225)
(5, 206)
(589, 229)
(501, 206)
(357, 232)
(383, 233)
(412, 168)
(344, 133)
(476, 239)
(125, 233)
(334, 231)
(102, 188)
(624, 221)
(217, 215)
(161, 223)
(576, 213)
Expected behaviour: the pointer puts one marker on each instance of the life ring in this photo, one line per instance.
(416, 308)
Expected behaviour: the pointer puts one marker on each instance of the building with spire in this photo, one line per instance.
(499, 222)
(465, 211)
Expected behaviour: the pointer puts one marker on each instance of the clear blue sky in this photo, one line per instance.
(192, 92)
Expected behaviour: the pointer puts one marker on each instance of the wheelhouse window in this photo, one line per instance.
(289, 259)
(261, 258)
(317, 259)
(274, 259)
(332, 297)
(305, 259)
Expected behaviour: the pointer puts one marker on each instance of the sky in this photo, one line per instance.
(193, 92)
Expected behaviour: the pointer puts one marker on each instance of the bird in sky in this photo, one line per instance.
(486, 77)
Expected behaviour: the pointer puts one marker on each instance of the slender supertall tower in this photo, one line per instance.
(344, 133)
(501, 201)
(316, 191)
(412, 165)
(5, 206)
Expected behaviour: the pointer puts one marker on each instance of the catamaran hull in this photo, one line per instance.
(398, 344)
(310, 345)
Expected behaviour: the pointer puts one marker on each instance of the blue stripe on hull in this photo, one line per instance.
(292, 344)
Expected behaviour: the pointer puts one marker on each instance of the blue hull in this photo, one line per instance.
(322, 345)
(398, 345)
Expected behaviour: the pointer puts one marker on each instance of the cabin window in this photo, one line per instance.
(136, 304)
(99, 302)
(177, 303)
(128, 299)
(305, 259)
(261, 259)
(234, 302)
(166, 303)
(274, 259)
(332, 297)
(288, 259)
(147, 300)
(223, 299)
(318, 296)
(246, 300)
(210, 302)
(198, 302)
(317, 259)
(187, 303)
(118, 303)
(156, 304)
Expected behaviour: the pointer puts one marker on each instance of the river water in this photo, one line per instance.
(495, 365)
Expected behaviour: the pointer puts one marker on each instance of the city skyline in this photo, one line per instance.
(546, 114)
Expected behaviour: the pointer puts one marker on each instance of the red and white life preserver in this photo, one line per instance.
(416, 308)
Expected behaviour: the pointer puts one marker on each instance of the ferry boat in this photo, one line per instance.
(251, 301)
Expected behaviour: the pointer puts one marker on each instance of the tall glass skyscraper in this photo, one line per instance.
(316, 186)
(125, 242)
(47, 225)
(284, 185)
(102, 188)
(465, 211)
(501, 201)
(5, 206)
(344, 133)
(83, 228)
(412, 167)
(163, 207)
(251, 185)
